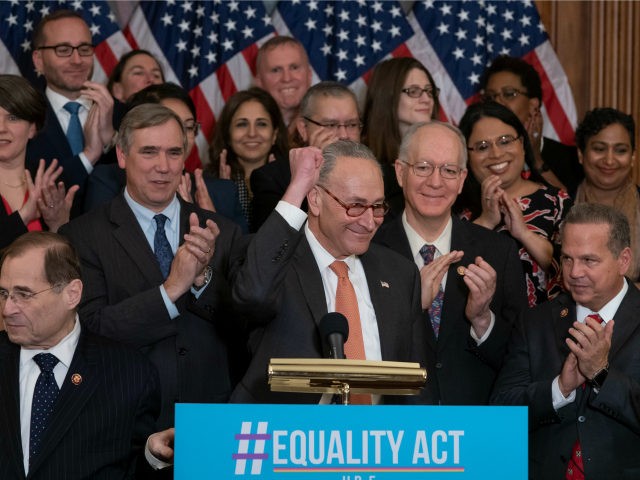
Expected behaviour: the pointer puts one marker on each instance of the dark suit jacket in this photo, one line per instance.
(460, 372)
(98, 428)
(11, 226)
(51, 142)
(268, 184)
(281, 286)
(122, 300)
(607, 423)
(563, 160)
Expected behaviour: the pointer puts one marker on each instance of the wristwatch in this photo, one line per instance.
(208, 273)
(599, 378)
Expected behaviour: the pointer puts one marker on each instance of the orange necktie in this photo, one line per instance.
(347, 304)
(575, 467)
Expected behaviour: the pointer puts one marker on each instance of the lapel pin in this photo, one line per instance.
(461, 270)
(384, 284)
(76, 379)
(564, 312)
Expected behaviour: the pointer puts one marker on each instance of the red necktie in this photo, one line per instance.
(575, 467)
(347, 304)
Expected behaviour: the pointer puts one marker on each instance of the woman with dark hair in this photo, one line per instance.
(250, 131)
(401, 92)
(136, 70)
(607, 148)
(501, 195)
(27, 204)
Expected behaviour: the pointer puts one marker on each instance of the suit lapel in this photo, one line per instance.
(129, 235)
(395, 237)
(310, 280)
(11, 440)
(563, 314)
(73, 397)
(627, 320)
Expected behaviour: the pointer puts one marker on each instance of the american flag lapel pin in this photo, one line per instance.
(384, 284)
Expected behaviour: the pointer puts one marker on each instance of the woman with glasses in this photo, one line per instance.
(500, 195)
(211, 193)
(514, 83)
(607, 148)
(249, 133)
(401, 92)
(28, 204)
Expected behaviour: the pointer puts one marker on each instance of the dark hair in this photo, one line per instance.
(275, 42)
(61, 262)
(38, 32)
(471, 191)
(162, 91)
(594, 213)
(144, 116)
(381, 132)
(222, 137)
(19, 98)
(527, 74)
(599, 118)
(116, 73)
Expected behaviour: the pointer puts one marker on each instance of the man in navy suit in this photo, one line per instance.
(287, 283)
(78, 129)
(476, 273)
(72, 404)
(575, 360)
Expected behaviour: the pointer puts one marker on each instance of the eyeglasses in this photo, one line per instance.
(502, 142)
(507, 94)
(22, 297)
(349, 126)
(192, 128)
(415, 91)
(64, 50)
(356, 209)
(426, 169)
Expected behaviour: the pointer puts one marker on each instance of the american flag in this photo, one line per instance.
(19, 18)
(344, 40)
(207, 47)
(456, 41)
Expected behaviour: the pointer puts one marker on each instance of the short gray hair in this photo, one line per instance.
(343, 148)
(145, 116)
(325, 89)
(595, 213)
(403, 152)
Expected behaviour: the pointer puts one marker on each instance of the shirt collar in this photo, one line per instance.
(608, 311)
(416, 242)
(58, 101)
(63, 351)
(145, 216)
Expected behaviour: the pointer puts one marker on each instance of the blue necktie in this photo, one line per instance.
(44, 398)
(435, 312)
(161, 246)
(74, 132)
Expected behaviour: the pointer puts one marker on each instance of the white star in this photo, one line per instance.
(504, 51)
(342, 55)
(474, 78)
(26, 45)
(195, 51)
(247, 32)
(193, 71)
(524, 39)
(541, 27)
(394, 31)
(186, 6)
(443, 28)
(95, 9)
(395, 11)
(30, 7)
(445, 9)
(228, 44)
(328, 11)
(167, 19)
(233, 6)
(266, 20)
(361, 41)
(491, 10)
(95, 30)
(327, 30)
(458, 53)
(377, 7)
(463, 15)
(480, 22)
(461, 34)
(312, 6)
(506, 34)
(28, 26)
(326, 49)
(44, 11)
(376, 26)
(508, 15)
(211, 57)
(200, 11)
(489, 49)
(215, 17)
(344, 16)
(376, 46)
(213, 37)
(428, 4)
(111, 17)
(359, 60)
(341, 75)
(230, 25)
(250, 12)
(490, 28)
(181, 46)
(184, 26)
(197, 32)
(361, 21)
(310, 24)
(77, 5)
(525, 21)
(478, 40)
(343, 35)
(12, 20)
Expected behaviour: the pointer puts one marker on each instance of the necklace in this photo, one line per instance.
(14, 186)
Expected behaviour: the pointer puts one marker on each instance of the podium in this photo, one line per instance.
(344, 377)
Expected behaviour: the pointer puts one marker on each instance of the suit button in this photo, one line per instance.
(582, 419)
(438, 365)
(182, 351)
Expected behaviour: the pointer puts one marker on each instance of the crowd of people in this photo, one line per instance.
(502, 261)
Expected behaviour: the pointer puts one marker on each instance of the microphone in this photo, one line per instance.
(334, 328)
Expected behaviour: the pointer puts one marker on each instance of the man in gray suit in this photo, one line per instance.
(287, 282)
(156, 269)
(575, 360)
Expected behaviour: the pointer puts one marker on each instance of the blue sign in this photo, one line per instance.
(226, 441)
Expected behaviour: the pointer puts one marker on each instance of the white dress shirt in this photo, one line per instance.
(29, 373)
